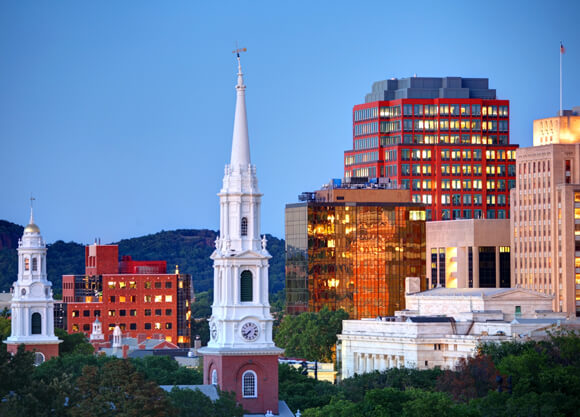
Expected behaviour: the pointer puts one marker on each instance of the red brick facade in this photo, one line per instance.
(49, 350)
(230, 371)
(151, 304)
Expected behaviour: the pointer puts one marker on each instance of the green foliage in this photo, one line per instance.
(63, 258)
(300, 391)
(117, 389)
(473, 378)
(15, 370)
(165, 371)
(73, 343)
(311, 336)
(498, 351)
(399, 378)
(193, 403)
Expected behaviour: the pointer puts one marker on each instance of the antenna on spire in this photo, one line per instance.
(240, 75)
(31, 208)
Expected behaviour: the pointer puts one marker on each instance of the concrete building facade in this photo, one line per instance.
(545, 221)
(443, 325)
(468, 253)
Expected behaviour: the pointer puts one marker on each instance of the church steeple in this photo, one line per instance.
(241, 140)
(32, 303)
(241, 355)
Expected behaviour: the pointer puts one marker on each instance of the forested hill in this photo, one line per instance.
(190, 249)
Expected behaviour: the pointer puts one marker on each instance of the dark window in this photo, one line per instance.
(470, 267)
(147, 312)
(147, 326)
(246, 285)
(158, 312)
(86, 327)
(168, 312)
(433, 268)
(504, 267)
(244, 228)
(442, 267)
(168, 284)
(157, 285)
(36, 323)
(168, 326)
(97, 313)
(133, 326)
(133, 312)
(486, 267)
(112, 299)
(86, 313)
(122, 312)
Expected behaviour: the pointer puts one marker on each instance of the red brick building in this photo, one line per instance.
(139, 296)
(445, 139)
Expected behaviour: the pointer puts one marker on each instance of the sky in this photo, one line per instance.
(117, 116)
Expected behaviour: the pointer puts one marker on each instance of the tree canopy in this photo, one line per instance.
(311, 336)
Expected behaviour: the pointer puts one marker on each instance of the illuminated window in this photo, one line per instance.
(26, 264)
(75, 327)
(132, 284)
(112, 285)
(249, 385)
(111, 313)
(147, 284)
(157, 326)
(244, 228)
(147, 298)
(122, 299)
(168, 298)
(75, 313)
(122, 284)
(158, 298)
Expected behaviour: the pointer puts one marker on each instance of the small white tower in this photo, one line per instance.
(32, 304)
(117, 337)
(241, 355)
(97, 333)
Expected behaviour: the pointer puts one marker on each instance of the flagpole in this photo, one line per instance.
(561, 53)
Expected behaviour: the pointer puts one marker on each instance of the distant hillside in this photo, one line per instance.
(190, 249)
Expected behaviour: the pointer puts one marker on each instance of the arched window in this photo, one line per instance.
(249, 385)
(34, 264)
(246, 287)
(36, 323)
(244, 228)
(214, 380)
(26, 264)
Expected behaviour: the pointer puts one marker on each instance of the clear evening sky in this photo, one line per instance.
(117, 115)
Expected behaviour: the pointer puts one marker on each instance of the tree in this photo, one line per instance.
(73, 343)
(474, 378)
(164, 370)
(117, 389)
(194, 403)
(302, 392)
(311, 336)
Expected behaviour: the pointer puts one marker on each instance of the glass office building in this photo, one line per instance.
(353, 255)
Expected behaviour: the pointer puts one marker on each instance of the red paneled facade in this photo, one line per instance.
(145, 301)
(454, 154)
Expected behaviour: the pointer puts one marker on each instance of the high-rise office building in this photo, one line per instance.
(445, 139)
(545, 219)
(352, 249)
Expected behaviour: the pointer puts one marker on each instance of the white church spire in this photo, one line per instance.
(241, 140)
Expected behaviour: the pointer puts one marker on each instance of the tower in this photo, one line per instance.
(241, 355)
(32, 304)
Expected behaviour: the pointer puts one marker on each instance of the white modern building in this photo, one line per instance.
(443, 325)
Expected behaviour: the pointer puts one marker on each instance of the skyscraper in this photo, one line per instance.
(445, 139)
(545, 220)
(241, 355)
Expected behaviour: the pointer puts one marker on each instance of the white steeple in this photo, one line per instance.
(97, 333)
(241, 141)
(32, 304)
(241, 311)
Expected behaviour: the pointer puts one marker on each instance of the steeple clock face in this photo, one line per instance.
(250, 331)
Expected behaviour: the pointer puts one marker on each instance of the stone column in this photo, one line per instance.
(476, 267)
(497, 267)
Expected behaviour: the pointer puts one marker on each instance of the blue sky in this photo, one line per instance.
(118, 116)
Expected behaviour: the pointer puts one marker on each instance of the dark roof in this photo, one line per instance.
(424, 319)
